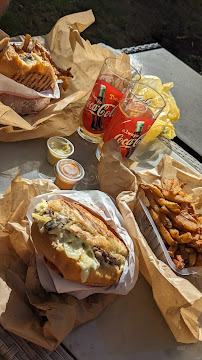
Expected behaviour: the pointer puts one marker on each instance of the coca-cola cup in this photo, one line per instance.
(112, 83)
(135, 114)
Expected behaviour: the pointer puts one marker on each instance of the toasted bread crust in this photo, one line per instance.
(91, 230)
(4, 43)
(38, 75)
(89, 227)
(30, 64)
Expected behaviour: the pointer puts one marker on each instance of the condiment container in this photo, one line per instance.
(58, 148)
(68, 172)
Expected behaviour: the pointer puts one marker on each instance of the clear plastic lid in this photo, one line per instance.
(69, 170)
(60, 146)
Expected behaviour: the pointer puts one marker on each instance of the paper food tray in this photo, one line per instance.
(154, 239)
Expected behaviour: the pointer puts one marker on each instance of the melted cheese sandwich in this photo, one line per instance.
(77, 244)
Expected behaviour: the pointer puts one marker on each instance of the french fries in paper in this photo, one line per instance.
(173, 212)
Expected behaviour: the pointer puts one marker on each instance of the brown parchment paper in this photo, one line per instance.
(68, 49)
(26, 309)
(178, 299)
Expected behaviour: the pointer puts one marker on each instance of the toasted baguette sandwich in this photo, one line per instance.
(77, 244)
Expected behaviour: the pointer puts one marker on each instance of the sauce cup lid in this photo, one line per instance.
(62, 139)
(70, 170)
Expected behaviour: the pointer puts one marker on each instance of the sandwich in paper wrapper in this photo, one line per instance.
(68, 50)
(101, 205)
(28, 76)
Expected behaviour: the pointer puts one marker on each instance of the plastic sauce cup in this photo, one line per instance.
(58, 148)
(68, 172)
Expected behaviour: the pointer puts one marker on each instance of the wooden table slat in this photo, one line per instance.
(13, 347)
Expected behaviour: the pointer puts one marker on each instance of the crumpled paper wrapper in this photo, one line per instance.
(26, 309)
(100, 203)
(171, 113)
(68, 49)
(179, 301)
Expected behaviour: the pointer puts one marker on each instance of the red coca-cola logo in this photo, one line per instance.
(99, 110)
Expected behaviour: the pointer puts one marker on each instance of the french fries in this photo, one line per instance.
(174, 233)
(166, 221)
(173, 212)
(170, 205)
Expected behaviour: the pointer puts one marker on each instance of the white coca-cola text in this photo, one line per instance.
(100, 110)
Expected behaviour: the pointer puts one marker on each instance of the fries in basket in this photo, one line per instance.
(174, 214)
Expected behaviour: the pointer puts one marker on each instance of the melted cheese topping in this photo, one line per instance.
(37, 57)
(42, 206)
(76, 249)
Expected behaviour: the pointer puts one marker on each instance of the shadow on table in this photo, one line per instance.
(131, 328)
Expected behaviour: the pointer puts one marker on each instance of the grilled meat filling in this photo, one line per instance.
(104, 257)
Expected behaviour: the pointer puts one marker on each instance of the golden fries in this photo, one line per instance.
(172, 250)
(166, 221)
(173, 212)
(183, 223)
(166, 235)
(152, 202)
(192, 258)
(197, 245)
(177, 198)
(179, 262)
(174, 233)
(185, 238)
(183, 252)
(170, 205)
(155, 190)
